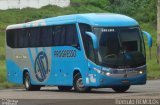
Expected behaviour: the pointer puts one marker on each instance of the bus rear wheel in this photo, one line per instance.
(64, 88)
(78, 84)
(121, 89)
(28, 85)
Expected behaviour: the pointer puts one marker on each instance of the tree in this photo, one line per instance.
(158, 31)
(158, 20)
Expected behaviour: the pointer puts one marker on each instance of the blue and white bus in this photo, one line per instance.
(84, 51)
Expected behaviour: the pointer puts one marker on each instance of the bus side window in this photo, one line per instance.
(62, 35)
(91, 55)
(87, 42)
(15, 38)
(71, 37)
(65, 35)
(34, 37)
(10, 37)
(46, 37)
(58, 35)
(22, 38)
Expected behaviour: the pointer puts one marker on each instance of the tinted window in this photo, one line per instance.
(84, 28)
(34, 37)
(17, 38)
(63, 35)
(46, 36)
(71, 35)
(10, 38)
(59, 35)
(22, 38)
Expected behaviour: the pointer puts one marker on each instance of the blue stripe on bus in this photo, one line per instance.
(40, 68)
(31, 57)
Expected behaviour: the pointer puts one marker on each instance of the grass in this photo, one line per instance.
(3, 82)
(14, 16)
(153, 68)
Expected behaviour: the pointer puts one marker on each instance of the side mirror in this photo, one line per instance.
(149, 38)
(94, 39)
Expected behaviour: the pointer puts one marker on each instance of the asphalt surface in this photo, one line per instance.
(51, 95)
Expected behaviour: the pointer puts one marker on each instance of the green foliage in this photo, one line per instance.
(142, 10)
(153, 69)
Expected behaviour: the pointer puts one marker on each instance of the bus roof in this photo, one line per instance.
(93, 19)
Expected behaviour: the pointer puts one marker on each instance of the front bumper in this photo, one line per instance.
(131, 76)
(106, 81)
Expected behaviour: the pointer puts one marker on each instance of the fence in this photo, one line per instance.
(20, 4)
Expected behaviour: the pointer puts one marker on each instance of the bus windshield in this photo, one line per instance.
(120, 47)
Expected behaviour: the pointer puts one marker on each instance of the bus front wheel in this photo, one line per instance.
(121, 89)
(28, 85)
(78, 84)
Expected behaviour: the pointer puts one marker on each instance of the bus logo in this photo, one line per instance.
(41, 66)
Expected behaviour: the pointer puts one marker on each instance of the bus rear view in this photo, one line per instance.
(109, 52)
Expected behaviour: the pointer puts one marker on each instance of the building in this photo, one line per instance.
(20, 4)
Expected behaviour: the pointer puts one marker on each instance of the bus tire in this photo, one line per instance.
(121, 89)
(64, 88)
(27, 83)
(78, 85)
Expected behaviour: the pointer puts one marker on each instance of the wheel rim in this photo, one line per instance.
(27, 82)
(80, 83)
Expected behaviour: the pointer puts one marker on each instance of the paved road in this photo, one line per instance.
(150, 90)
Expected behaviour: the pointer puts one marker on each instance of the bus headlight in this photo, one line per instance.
(97, 70)
(108, 74)
(102, 72)
(141, 72)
